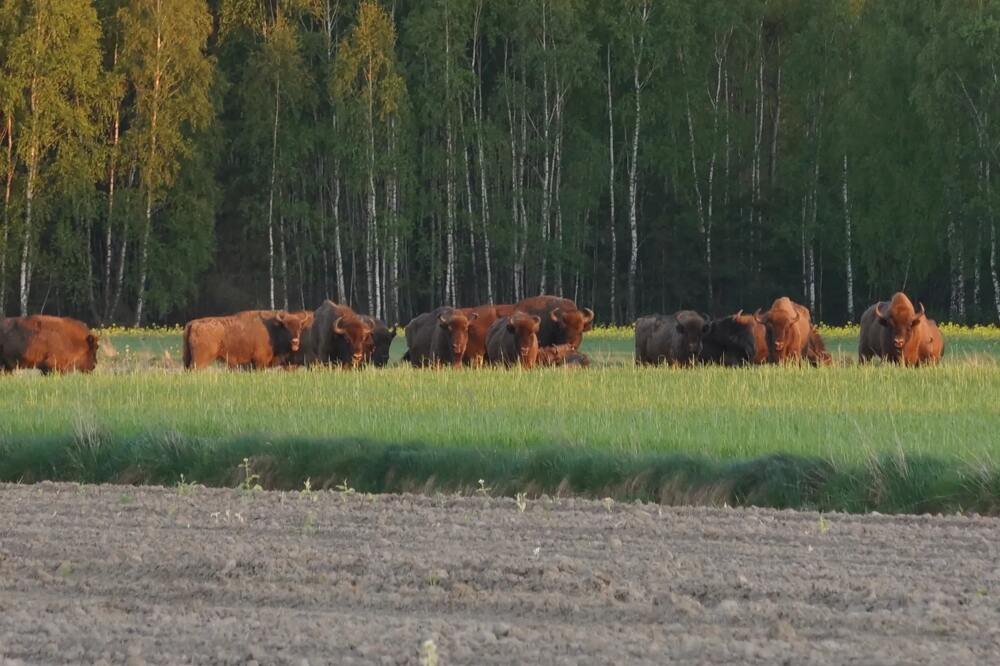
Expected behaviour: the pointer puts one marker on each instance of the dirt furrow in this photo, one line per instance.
(165, 576)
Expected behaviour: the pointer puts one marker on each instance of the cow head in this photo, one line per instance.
(295, 324)
(457, 326)
(692, 328)
(524, 327)
(89, 361)
(573, 323)
(781, 322)
(382, 337)
(901, 319)
(356, 335)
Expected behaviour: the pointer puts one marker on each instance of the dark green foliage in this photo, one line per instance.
(888, 483)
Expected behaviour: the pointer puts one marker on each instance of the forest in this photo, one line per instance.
(162, 159)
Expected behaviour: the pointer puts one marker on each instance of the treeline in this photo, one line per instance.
(161, 159)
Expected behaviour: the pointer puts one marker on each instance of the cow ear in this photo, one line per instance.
(474, 316)
(280, 316)
(536, 319)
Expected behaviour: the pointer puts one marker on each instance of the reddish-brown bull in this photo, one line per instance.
(899, 333)
(562, 323)
(759, 333)
(513, 340)
(480, 319)
(249, 339)
(790, 333)
(339, 336)
(50, 344)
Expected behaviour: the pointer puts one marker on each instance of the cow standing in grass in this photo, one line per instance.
(339, 336)
(252, 339)
(562, 322)
(791, 336)
(672, 339)
(438, 337)
(734, 340)
(899, 333)
(382, 337)
(513, 340)
(49, 344)
(481, 318)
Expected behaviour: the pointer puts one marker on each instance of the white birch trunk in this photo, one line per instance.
(477, 111)
(5, 232)
(848, 262)
(270, 198)
(633, 263)
(611, 194)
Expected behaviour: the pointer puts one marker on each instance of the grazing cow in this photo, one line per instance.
(438, 337)
(899, 333)
(50, 344)
(339, 336)
(674, 339)
(790, 333)
(480, 319)
(563, 355)
(248, 339)
(734, 340)
(382, 336)
(562, 322)
(513, 340)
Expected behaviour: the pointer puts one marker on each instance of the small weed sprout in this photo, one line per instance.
(824, 525)
(345, 488)
(250, 480)
(522, 501)
(428, 653)
(608, 503)
(185, 487)
(307, 489)
(483, 490)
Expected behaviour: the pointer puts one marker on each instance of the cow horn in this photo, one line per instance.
(798, 315)
(473, 316)
(758, 317)
(922, 313)
(588, 315)
(878, 311)
(739, 313)
(441, 318)
(336, 326)
(554, 314)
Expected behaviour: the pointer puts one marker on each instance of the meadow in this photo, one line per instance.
(651, 433)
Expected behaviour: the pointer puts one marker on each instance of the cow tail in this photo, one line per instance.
(187, 346)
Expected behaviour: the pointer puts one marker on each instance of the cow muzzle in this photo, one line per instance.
(357, 358)
(780, 346)
(295, 344)
(898, 342)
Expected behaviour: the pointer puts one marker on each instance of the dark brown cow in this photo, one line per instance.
(249, 339)
(759, 333)
(50, 344)
(382, 337)
(562, 322)
(675, 339)
(790, 333)
(513, 340)
(438, 337)
(899, 333)
(339, 336)
(562, 355)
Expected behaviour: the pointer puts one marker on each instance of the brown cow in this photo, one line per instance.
(339, 336)
(249, 339)
(899, 333)
(438, 337)
(562, 322)
(287, 330)
(513, 340)
(50, 344)
(790, 333)
(481, 318)
(759, 333)
(563, 355)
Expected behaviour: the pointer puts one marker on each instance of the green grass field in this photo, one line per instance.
(141, 413)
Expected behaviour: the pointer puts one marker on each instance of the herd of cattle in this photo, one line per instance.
(542, 330)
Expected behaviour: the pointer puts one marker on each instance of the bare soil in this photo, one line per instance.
(112, 574)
